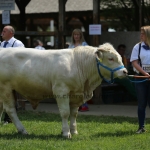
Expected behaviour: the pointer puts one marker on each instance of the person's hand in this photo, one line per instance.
(147, 74)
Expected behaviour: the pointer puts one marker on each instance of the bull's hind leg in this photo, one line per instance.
(11, 111)
(9, 107)
(73, 116)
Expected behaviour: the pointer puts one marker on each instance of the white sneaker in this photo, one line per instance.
(140, 130)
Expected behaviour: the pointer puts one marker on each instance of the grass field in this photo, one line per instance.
(95, 133)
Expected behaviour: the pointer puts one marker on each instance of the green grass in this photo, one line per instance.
(95, 133)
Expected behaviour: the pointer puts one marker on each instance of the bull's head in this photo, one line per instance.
(109, 63)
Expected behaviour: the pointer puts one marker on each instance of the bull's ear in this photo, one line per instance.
(99, 55)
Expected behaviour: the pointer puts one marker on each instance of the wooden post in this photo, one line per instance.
(97, 94)
(140, 14)
(62, 25)
(96, 20)
(22, 23)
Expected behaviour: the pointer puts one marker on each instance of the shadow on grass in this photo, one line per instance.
(31, 136)
(59, 136)
(114, 134)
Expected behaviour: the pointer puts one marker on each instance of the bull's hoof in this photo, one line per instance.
(24, 132)
(74, 132)
(67, 136)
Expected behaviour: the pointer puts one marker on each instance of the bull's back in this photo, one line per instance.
(31, 72)
(28, 60)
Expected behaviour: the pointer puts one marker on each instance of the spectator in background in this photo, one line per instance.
(9, 41)
(121, 50)
(38, 45)
(77, 39)
(8, 37)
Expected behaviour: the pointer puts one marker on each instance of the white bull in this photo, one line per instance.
(70, 75)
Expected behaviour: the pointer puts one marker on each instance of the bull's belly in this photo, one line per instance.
(35, 93)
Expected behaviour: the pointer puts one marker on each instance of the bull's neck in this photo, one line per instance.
(87, 68)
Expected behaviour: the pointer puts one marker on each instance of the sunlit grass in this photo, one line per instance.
(95, 133)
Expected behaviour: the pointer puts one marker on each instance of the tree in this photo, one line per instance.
(127, 15)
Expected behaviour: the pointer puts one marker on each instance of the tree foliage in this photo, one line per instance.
(125, 14)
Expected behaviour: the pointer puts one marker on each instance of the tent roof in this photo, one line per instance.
(51, 6)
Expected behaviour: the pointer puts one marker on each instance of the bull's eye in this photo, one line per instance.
(110, 59)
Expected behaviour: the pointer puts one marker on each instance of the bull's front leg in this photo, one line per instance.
(63, 105)
(62, 98)
(73, 116)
